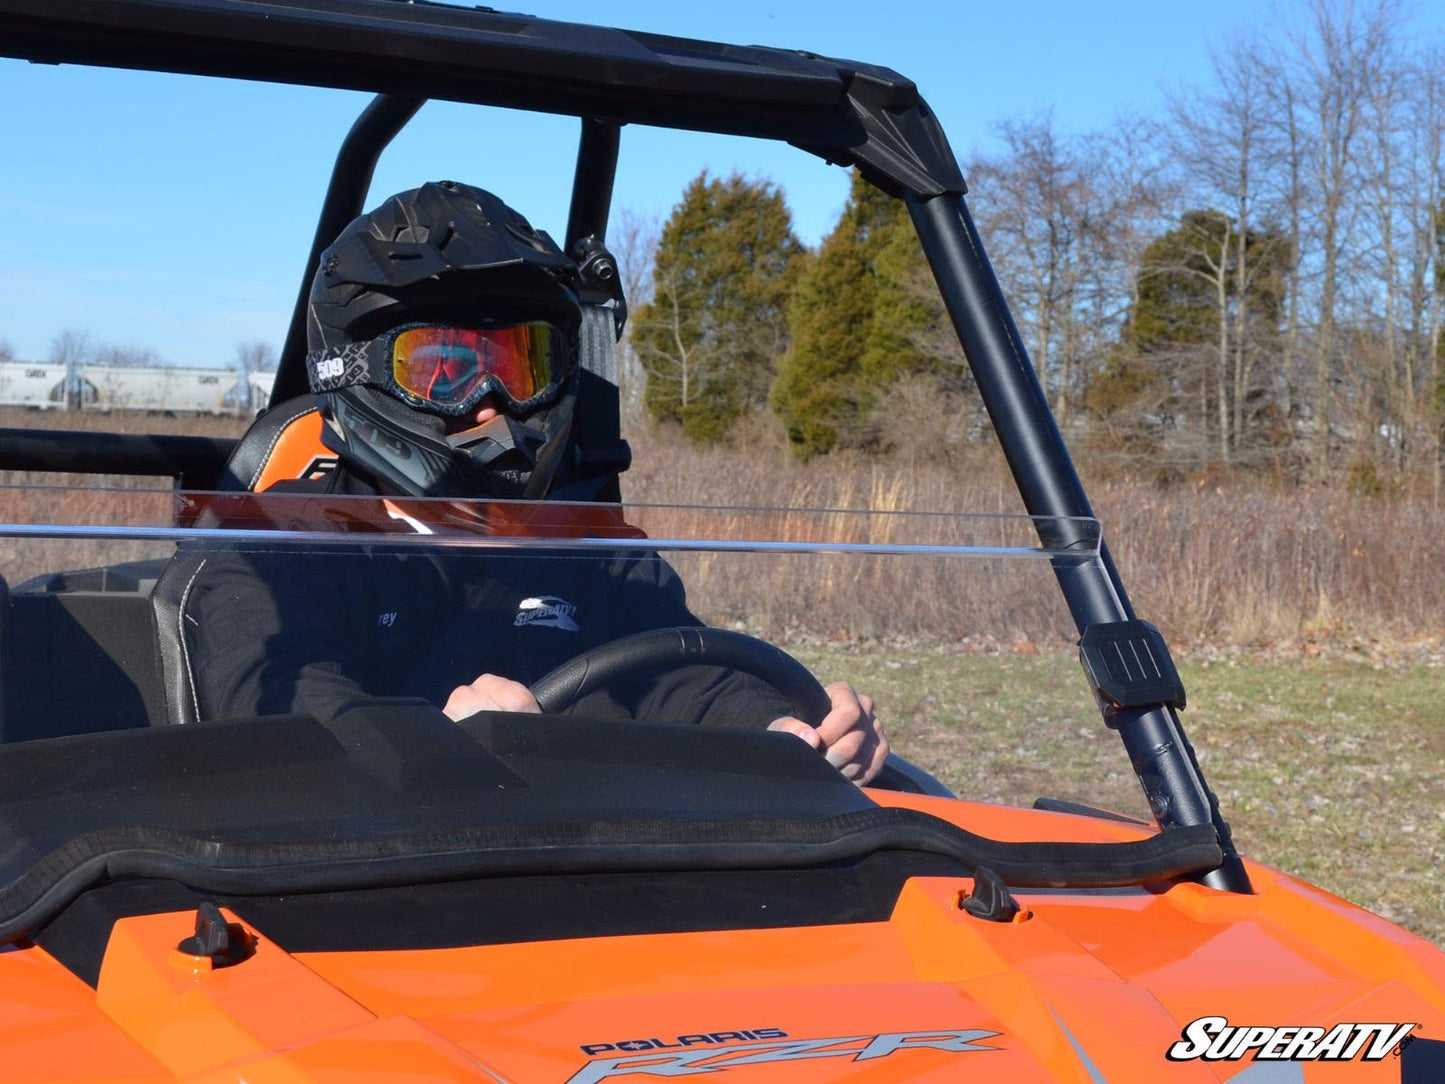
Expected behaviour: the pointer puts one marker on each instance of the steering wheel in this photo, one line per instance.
(662, 649)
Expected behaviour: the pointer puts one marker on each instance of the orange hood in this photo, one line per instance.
(1083, 985)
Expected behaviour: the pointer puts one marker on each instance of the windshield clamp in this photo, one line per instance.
(1129, 666)
(223, 943)
(990, 899)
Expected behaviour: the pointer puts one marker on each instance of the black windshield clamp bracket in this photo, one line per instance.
(1129, 666)
(990, 899)
(220, 942)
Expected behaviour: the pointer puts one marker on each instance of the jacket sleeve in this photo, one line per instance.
(649, 594)
(263, 637)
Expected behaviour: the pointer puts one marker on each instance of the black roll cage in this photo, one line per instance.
(850, 114)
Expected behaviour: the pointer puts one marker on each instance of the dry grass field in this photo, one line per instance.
(1211, 562)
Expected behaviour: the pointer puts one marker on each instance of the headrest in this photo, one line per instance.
(283, 444)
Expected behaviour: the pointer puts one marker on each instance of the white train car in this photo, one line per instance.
(159, 388)
(32, 384)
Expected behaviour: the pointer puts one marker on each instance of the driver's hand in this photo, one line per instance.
(850, 736)
(490, 692)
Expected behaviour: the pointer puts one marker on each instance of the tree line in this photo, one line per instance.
(73, 347)
(1253, 277)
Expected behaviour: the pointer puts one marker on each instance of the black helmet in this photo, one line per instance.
(451, 255)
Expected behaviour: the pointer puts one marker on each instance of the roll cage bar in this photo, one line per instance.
(847, 113)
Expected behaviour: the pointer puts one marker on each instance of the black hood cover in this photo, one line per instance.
(393, 792)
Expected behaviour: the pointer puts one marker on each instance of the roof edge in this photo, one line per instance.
(846, 112)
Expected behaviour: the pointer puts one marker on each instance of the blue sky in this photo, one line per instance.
(174, 213)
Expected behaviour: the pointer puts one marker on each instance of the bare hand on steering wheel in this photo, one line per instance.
(846, 731)
(490, 692)
(850, 735)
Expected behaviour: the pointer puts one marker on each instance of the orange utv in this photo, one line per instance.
(382, 894)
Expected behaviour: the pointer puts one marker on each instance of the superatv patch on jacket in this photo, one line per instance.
(549, 611)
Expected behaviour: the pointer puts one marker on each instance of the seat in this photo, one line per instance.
(283, 444)
(78, 654)
(168, 613)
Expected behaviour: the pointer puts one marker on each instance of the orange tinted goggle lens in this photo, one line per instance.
(446, 365)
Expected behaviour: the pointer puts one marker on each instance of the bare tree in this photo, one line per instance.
(632, 239)
(1288, 194)
(252, 357)
(255, 356)
(674, 358)
(1312, 164)
(1384, 385)
(1046, 221)
(1409, 188)
(128, 357)
(71, 348)
(1223, 138)
(1427, 267)
(1338, 59)
(1139, 188)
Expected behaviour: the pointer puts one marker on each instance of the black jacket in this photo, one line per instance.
(275, 630)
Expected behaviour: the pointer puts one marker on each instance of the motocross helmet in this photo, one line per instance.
(419, 309)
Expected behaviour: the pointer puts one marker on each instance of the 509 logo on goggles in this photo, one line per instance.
(1213, 1038)
(716, 1058)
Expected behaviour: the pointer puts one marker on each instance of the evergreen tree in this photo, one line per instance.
(855, 321)
(710, 337)
(1179, 283)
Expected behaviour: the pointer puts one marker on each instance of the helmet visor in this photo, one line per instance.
(452, 368)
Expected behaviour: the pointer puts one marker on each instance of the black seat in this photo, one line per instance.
(283, 444)
(78, 652)
(5, 635)
(168, 611)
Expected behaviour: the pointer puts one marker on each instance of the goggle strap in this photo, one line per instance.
(339, 367)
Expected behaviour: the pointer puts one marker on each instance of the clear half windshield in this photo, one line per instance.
(278, 604)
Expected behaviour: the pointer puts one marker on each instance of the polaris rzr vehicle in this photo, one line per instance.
(383, 892)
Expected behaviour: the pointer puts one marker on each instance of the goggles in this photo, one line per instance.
(448, 370)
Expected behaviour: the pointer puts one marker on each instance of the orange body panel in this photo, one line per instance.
(1083, 986)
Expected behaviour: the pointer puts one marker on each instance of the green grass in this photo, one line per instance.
(1327, 768)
